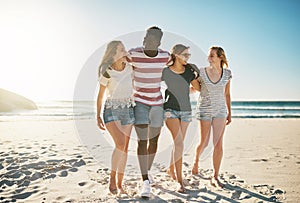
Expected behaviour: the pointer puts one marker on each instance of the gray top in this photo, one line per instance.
(177, 94)
(212, 95)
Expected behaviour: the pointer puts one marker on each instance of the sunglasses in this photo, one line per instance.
(186, 55)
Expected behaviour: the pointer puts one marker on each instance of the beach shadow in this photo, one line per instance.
(195, 194)
(206, 195)
(238, 189)
(20, 171)
(199, 189)
(237, 192)
(153, 198)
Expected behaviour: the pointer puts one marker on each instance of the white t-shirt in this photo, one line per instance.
(119, 87)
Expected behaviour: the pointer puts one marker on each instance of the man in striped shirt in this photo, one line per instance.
(148, 62)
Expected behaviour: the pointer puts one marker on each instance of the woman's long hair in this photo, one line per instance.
(221, 54)
(107, 59)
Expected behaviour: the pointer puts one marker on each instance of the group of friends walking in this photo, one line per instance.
(131, 83)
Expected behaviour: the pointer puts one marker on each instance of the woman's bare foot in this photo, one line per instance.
(181, 188)
(216, 183)
(122, 191)
(172, 174)
(113, 191)
(112, 186)
(195, 169)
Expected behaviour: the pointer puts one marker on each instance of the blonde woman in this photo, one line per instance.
(118, 117)
(177, 107)
(214, 107)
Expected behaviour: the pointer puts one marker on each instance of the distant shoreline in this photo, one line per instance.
(68, 110)
(11, 101)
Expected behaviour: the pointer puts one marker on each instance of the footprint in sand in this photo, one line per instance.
(82, 184)
(19, 169)
(185, 164)
(20, 190)
(23, 183)
(36, 175)
(12, 167)
(236, 194)
(60, 198)
(263, 189)
(51, 176)
(194, 183)
(278, 192)
(278, 195)
(259, 160)
(9, 160)
(79, 163)
(78, 156)
(6, 182)
(23, 196)
(23, 154)
(73, 169)
(13, 174)
(63, 174)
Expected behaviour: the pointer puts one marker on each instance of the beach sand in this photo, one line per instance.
(48, 161)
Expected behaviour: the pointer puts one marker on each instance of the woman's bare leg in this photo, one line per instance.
(174, 126)
(120, 135)
(218, 132)
(205, 127)
(171, 170)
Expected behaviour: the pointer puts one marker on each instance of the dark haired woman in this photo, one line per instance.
(177, 107)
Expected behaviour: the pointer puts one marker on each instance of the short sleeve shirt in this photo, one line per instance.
(178, 88)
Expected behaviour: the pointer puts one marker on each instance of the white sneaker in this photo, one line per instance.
(150, 178)
(146, 189)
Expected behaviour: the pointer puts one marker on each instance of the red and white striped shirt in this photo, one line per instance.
(147, 73)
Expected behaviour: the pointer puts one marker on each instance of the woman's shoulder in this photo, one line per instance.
(202, 70)
(192, 67)
(166, 68)
(129, 65)
(227, 73)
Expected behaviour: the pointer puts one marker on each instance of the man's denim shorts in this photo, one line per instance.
(151, 115)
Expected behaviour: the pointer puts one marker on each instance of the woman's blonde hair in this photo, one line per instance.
(221, 54)
(107, 59)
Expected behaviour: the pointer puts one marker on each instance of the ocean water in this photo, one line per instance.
(266, 109)
(67, 110)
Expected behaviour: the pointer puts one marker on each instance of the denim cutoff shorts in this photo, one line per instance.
(123, 114)
(184, 116)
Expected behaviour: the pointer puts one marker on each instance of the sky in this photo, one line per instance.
(46, 46)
